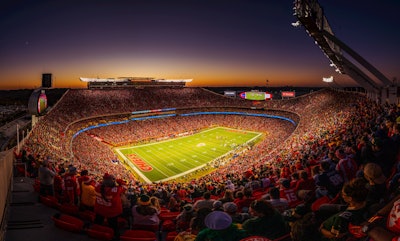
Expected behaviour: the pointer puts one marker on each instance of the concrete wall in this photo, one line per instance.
(6, 169)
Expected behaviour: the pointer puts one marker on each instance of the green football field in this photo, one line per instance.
(169, 159)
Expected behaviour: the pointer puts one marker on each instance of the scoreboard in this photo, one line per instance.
(255, 95)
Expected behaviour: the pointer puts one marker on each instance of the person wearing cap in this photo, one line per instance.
(144, 213)
(71, 186)
(220, 228)
(217, 206)
(46, 178)
(377, 185)
(231, 209)
(88, 194)
(108, 203)
(183, 219)
(266, 221)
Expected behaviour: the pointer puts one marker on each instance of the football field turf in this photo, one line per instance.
(169, 159)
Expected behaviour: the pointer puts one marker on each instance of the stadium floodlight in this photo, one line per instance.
(296, 24)
(328, 79)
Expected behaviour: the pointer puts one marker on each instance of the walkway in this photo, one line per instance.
(29, 220)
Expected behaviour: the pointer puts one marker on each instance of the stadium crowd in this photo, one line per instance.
(334, 172)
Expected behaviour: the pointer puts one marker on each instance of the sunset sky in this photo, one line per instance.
(215, 42)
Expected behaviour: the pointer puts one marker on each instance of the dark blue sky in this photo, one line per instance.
(218, 43)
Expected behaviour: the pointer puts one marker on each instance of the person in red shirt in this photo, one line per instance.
(244, 204)
(71, 186)
(108, 203)
(289, 193)
(304, 185)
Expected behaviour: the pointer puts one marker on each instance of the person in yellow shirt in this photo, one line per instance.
(88, 197)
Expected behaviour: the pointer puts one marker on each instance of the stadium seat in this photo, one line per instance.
(171, 236)
(168, 215)
(68, 223)
(36, 185)
(87, 215)
(256, 238)
(138, 235)
(168, 225)
(49, 201)
(285, 237)
(100, 232)
(69, 209)
(320, 201)
(147, 227)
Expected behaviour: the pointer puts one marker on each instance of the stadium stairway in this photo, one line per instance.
(28, 219)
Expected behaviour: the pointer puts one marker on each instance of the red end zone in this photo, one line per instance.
(142, 165)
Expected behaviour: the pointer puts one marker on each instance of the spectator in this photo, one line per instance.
(46, 178)
(108, 203)
(231, 209)
(206, 202)
(330, 180)
(88, 197)
(289, 194)
(197, 223)
(379, 230)
(219, 227)
(304, 185)
(354, 193)
(71, 185)
(378, 192)
(183, 219)
(228, 196)
(281, 204)
(346, 166)
(304, 229)
(266, 221)
(244, 204)
(144, 213)
(155, 202)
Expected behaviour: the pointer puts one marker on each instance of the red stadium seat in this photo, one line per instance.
(317, 203)
(171, 236)
(36, 185)
(168, 215)
(69, 209)
(50, 201)
(168, 225)
(147, 227)
(87, 215)
(285, 237)
(256, 238)
(138, 235)
(68, 223)
(100, 232)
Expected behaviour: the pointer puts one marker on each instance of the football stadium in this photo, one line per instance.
(157, 160)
